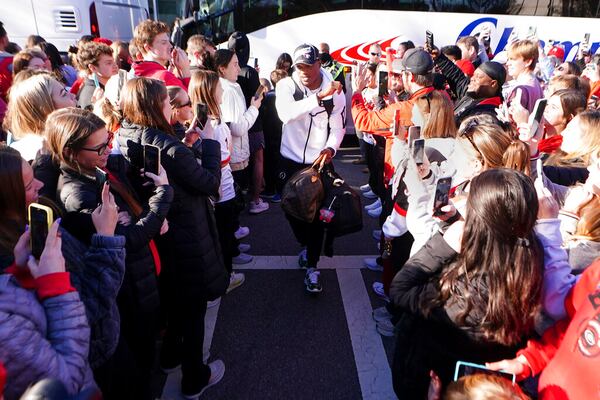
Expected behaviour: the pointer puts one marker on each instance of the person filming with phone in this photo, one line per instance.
(312, 108)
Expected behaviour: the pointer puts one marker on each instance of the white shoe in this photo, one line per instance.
(370, 195)
(235, 280)
(378, 290)
(302, 260)
(371, 263)
(244, 247)
(365, 188)
(214, 303)
(375, 213)
(373, 205)
(242, 232)
(377, 235)
(385, 328)
(217, 371)
(381, 314)
(256, 207)
(243, 258)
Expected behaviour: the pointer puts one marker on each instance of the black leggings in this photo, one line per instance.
(226, 217)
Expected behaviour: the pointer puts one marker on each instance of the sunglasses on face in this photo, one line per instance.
(375, 54)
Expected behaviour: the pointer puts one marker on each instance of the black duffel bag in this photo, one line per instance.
(341, 211)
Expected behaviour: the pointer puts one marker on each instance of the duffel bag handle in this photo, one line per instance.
(319, 163)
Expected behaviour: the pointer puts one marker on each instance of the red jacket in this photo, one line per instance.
(151, 69)
(568, 354)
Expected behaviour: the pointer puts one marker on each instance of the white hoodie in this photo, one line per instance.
(304, 132)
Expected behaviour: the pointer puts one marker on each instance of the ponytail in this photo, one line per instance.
(517, 157)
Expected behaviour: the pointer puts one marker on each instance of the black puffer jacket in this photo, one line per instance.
(435, 342)
(191, 246)
(138, 298)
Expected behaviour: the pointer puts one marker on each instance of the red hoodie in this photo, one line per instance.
(569, 353)
(151, 69)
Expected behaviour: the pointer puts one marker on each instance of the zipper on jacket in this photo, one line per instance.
(307, 139)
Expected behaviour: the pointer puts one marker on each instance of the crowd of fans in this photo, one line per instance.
(504, 275)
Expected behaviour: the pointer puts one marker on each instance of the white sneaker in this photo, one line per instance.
(371, 263)
(217, 371)
(244, 247)
(377, 235)
(365, 188)
(243, 258)
(378, 290)
(302, 260)
(214, 303)
(385, 328)
(235, 280)
(381, 313)
(375, 213)
(373, 205)
(370, 195)
(256, 207)
(242, 232)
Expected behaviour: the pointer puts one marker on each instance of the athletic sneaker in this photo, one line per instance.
(370, 195)
(375, 213)
(378, 290)
(312, 282)
(371, 263)
(373, 205)
(243, 258)
(381, 313)
(385, 328)
(213, 303)
(267, 196)
(244, 247)
(276, 198)
(242, 232)
(365, 188)
(235, 280)
(302, 260)
(256, 207)
(376, 235)
(217, 370)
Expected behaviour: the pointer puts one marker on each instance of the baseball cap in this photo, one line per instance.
(417, 61)
(558, 52)
(306, 54)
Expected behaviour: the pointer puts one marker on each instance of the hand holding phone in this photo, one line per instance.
(51, 259)
(536, 116)
(382, 83)
(418, 151)
(414, 133)
(429, 40)
(201, 114)
(466, 368)
(442, 195)
(259, 91)
(101, 179)
(40, 220)
(151, 159)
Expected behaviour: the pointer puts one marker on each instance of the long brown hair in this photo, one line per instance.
(13, 214)
(495, 146)
(142, 101)
(439, 114)
(202, 91)
(500, 252)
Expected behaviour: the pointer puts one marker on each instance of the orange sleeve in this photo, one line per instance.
(369, 121)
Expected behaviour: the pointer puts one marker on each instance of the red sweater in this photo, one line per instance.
(151, 69)
(569, 353)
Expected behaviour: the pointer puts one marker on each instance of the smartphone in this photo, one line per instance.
(418, 150)
(586, 38)
(532, 32)
(591, 66)
(151, 158)
(538, 113)
(383, 83)
(101, 178)
(396, 127)
(255, 63)
(201, 115)
(40, 220)
(442, 194)
(414, 133)
(259, 91)
(177, 36)
(95, 79)
(465, 368)
(429, 39)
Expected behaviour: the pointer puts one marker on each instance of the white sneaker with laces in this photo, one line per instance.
(371, 263)
(235, 280)
(256, 207)
(378, 290)
(375, 204)
(370, 195)
(375, 213)
(365, 188)
(312, 281)
(242, 232)
(243, 258)
(381, 313)
(214, 303)
(244, 247)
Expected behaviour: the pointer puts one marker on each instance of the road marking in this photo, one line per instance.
(291, 262)
(374, 374)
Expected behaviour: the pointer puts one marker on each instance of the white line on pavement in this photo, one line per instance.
(291, 262)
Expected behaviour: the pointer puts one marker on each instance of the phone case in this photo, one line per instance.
(49, 217)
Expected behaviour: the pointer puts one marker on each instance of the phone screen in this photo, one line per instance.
(429, 39)
(419, 150)
(383, 83)
(586, 38)
(201, 115)
(539, 108)
(442, 194)
(151, 159)
(38, 224)
(465, 368)
(414, 133)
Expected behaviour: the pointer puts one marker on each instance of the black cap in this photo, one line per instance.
(306, 54)
(417, 61)
(495, 71)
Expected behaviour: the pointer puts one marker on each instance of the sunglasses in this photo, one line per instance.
(102, 148)
(375, 54)
(188, 104)
(560, 68)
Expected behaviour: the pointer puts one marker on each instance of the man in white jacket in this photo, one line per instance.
(313, 112)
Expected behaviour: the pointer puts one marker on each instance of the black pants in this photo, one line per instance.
(226, 216)
(307, 234)
(376, 166)
(271, 158)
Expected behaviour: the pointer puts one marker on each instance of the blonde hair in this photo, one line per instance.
(525, 49)
(29, 104)
(69, 128)
(483, 387)
(202, 90)
(589, 123)
(588, 227)
(439, 116)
